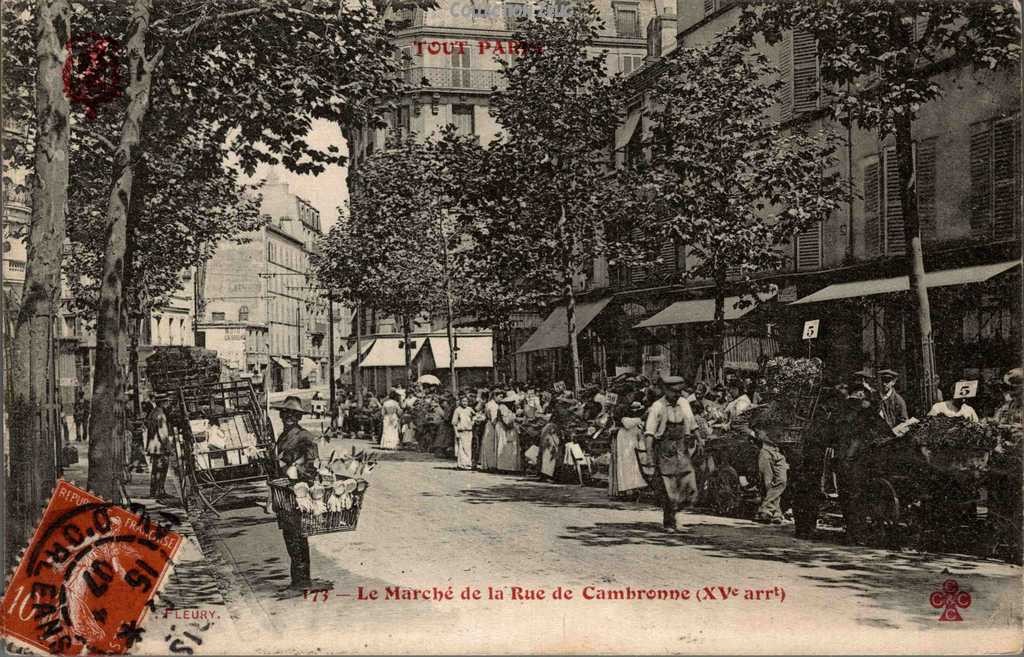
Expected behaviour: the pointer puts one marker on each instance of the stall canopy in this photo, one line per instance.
(390, 352)
(282, 363)
(552, 334)
(349, 357)
(699, 310)
(474, 351)
(961, 276)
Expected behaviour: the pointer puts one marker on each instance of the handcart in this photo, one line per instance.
(213, 471)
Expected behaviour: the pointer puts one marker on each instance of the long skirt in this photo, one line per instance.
(464, 449)
(389, 433)
(624, 471)
(489, 448)
(550, 459)
(508, 448)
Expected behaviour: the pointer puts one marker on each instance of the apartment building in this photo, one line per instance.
(847, 271)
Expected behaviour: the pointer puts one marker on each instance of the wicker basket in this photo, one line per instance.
(283, 500)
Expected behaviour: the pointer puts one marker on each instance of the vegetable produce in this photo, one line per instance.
(957, 433)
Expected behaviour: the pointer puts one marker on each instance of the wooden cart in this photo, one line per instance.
(210, 474)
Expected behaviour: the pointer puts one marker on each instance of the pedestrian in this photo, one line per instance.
(506, 430)
(772, 469)
(82, 410)
(669, 423)
(462, 423)
(295, 458)
(624, 473)
(488, 443)
(892, 407)
(391, 414)
(954, 408)
(158, 447)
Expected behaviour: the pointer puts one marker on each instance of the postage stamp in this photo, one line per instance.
(87, 577)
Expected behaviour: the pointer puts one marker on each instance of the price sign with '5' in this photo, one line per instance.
(811, 329)
(965, 389)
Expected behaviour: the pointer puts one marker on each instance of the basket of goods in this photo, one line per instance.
(955, 443)
(332, 502)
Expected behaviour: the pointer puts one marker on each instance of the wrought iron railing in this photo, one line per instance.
(453, 78)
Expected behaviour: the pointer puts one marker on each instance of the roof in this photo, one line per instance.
(942, 278)
(473, 351)
(700, 310)
(553, 334)
(349, 356)
(390, 352)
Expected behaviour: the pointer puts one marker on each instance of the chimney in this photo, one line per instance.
(661, 34)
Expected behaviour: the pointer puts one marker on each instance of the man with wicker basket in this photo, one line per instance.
(296, 455)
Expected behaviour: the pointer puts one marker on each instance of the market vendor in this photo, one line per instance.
(891, 406)
(954, 408)
(669, 422)
(295, 448)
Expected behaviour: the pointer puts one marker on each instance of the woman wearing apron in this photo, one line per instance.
(669, 423)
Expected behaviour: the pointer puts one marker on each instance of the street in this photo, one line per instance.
(426, 525)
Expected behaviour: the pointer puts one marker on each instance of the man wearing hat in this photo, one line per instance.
(891, 406)
(295, 447)
(865, 377)
(669, 422)
(1013, 386)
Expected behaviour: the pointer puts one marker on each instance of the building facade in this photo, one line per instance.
(262, 313)
(847, 271)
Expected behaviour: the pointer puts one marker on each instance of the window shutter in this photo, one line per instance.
(785, 57)
(637, 272)
(709, 7)
(981, 180)
(1004, 183)
(1017, 173)
(808, 249)
(925, 187)
(668, 257)
(805, 73)
(872, 203)
(893, 219)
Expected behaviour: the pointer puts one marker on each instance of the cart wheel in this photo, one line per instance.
(724, 491)
(881, 514)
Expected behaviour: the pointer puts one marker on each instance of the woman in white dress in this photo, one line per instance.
(391, 413)
(624, 472)
(462, 423)
(488, 444)
(507, 436)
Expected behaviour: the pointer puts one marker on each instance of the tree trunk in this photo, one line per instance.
(718, 330)
(32, 413)
(574, 347)
(357, 374)
(108, 396)
(452, 346)
(406, 330)
(923, 353)
(133, 364)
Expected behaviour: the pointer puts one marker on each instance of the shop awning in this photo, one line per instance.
(552, 334)
(390, 352)
(700, 310)
(625, 133)
(960, 276)
(349, 356)
(474, 351)
(280, 362)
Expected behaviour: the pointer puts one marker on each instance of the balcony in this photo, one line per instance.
(453, 78)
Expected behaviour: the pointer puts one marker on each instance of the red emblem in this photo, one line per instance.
(92, 71)
(949, 599)
(87, 577)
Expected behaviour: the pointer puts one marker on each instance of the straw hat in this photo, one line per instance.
(292, 404)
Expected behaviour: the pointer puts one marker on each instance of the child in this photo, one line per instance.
(772, 467)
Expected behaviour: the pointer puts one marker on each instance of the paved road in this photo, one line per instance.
(426, 524)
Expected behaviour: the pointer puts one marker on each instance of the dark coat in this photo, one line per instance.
(296, 446)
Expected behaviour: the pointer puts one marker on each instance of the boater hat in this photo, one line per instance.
(888, 374)
(674, 382)
(292, 404)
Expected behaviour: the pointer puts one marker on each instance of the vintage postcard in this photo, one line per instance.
(512, 327)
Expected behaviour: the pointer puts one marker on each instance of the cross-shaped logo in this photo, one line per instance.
(949, 599)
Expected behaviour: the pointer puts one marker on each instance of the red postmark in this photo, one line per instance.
(949, 599)
(88, 576)
(92, 71)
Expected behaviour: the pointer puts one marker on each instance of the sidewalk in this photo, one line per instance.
(193, 597)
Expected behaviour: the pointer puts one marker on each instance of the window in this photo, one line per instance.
(462, 118)
(404, 120)
(627, 22)
(635, 146)
(995, 178)
(709, 7)
(243, 313)
(217, 316)
(631, 63)
(808, 249)
(798, 62)
(883, 211)
(460, 62)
